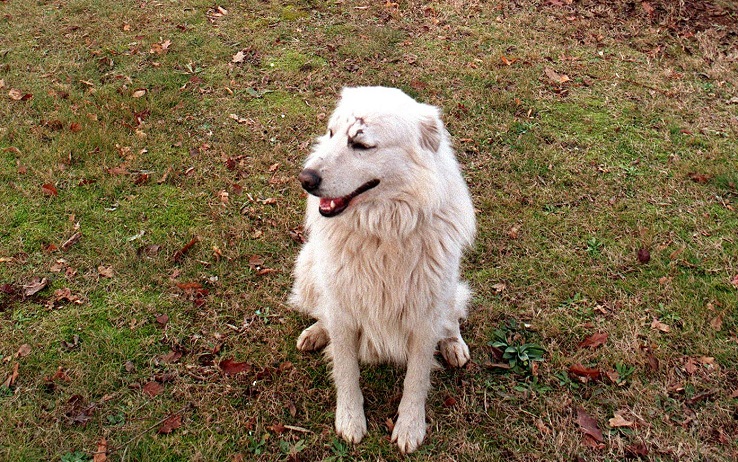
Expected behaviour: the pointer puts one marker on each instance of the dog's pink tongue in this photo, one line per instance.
(331, 205)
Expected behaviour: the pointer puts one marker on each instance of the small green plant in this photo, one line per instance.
(565, 380)
(340, 450)
(5, 391)
(574, 300)
(291, 450)
(76, 456)
(519, 354)
(624, 372)
(532, 386)
(116, 419)
(594, 246)
(256, 445)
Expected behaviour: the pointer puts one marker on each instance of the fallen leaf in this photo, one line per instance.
(231, 367)
(75, 127)
(507, 61)
(17, 95)
(12, 378)
(49, 189)
(238, 57)
(35, 286)
(660, 326)
(589, 425)
(171, 357)
(499, 287)
(644, 256)
(648, 8)
(71, 241)
(450, 401)
(152, 388)
(514, 232)
(700, 178)
(129, 366)
(172, 423)
(594, 340)
(619, 421)
(101, 454)
(162, 319)
(556, 77)
(139, 93)
(734, 281)
(179, 254)
(141, 178)
(717, 322)
(584, 372)
(23, 351)
(105, 271)
(636, 450)
(690, 366)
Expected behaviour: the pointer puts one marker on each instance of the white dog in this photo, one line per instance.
(388, 218)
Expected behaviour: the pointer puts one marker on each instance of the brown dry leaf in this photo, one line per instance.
(700, 178)
(12, 378)
(101, 454)
(71, 241)
(589, 425)
(162, 319)
(172, 423)
(648, 8)
(507, 61)
(636, 451)
(594, 340)
(49, 189)
(644, 256)
(583, 372)
(139, 93)
(717, 322)
(556, 77)
(450, 401)
(179, 254)
(75, 127)
(619, 421)
(171, 357)
(734, 281)
(389, 424)
(514, 232)
(660, 326)
(269, 201)
(238, 57)
(105, 271)
(690, 366)
(35, 286)
(499, 287)
(17, 95)
(152, 388)
(23, 351)
(231, 367)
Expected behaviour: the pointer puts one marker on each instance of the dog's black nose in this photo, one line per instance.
(309, 179)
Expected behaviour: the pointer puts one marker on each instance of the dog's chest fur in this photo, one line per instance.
(395, 286)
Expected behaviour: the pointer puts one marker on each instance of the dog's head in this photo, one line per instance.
(379, 144)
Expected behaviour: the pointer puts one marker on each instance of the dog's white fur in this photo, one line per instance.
(382, 278)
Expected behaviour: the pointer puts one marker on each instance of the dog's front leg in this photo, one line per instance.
(350, 420)
(409, 429)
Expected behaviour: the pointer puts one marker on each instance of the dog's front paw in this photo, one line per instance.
(313, 338)
(455, 351)
(409, 432)
(350, 425)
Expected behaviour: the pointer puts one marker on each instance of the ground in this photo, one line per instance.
(150, 218)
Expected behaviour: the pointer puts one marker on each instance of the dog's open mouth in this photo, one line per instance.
(332, 206)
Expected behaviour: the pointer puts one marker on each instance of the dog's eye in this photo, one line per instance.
(360, 146)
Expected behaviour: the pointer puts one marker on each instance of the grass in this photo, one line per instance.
(151, 135)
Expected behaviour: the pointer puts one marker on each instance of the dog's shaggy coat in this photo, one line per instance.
(388, 218)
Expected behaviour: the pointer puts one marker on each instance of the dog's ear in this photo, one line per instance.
(430, 132)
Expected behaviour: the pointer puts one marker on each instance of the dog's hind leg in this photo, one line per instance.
(313, 338)
(453, 348)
